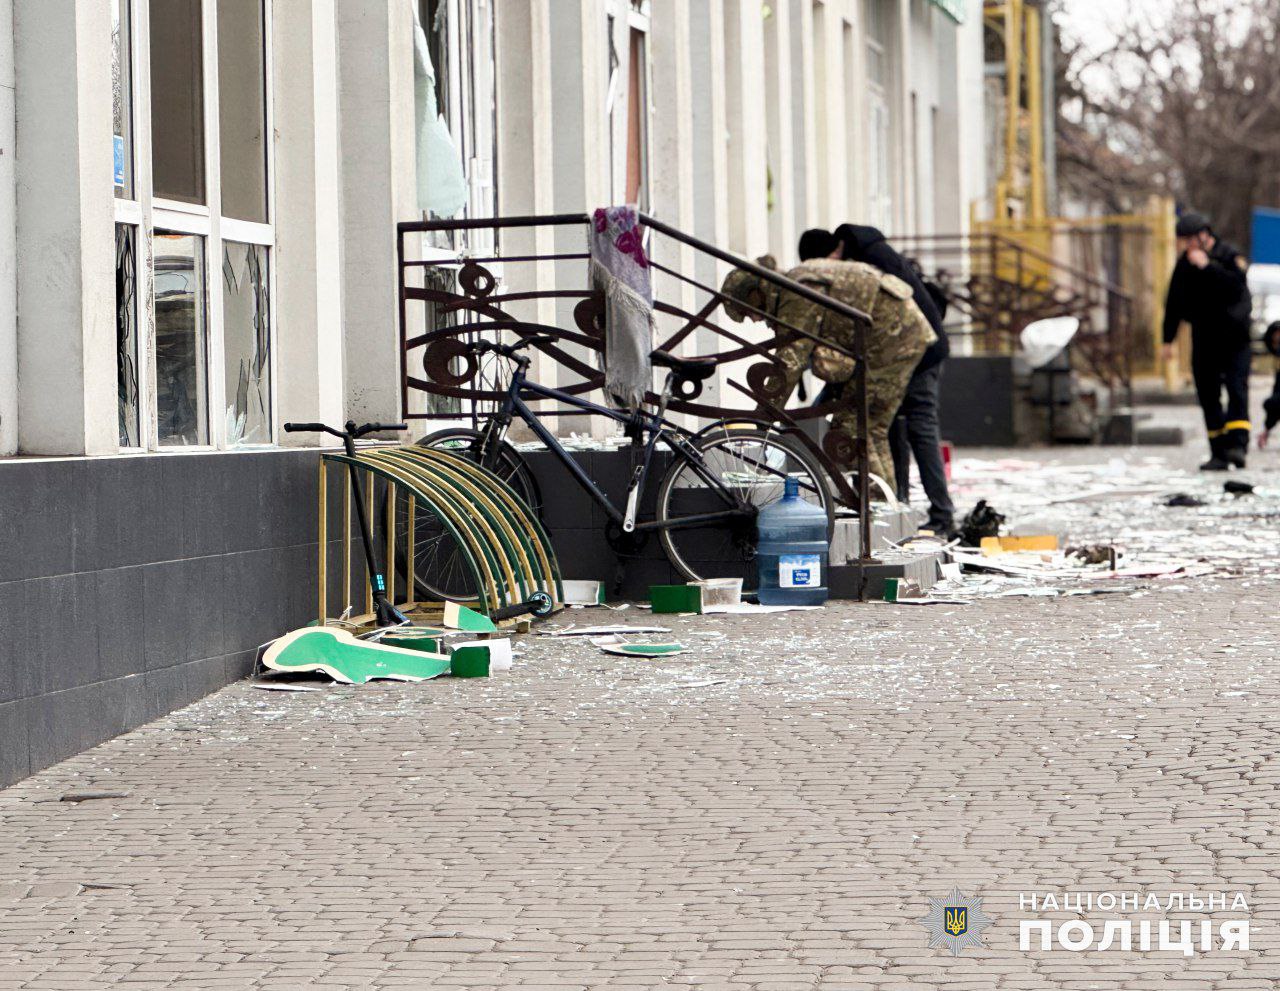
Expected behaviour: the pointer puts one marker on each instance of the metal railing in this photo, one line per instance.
(536, 285)
(997, 285)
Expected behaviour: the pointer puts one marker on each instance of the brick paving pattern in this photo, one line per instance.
(592, 821)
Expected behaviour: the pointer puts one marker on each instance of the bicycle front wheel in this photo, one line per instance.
(750, 467)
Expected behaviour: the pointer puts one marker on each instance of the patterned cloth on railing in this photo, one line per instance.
(620, 269)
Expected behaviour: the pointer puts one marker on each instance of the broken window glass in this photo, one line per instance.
(127, 335)
(246, 334)
(181, 340)
(442, 185)
(455, 73)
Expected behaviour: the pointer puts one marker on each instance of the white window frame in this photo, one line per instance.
(149, 213)
(129, 212)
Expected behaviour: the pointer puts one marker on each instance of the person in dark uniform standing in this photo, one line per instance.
(1271, 405)
(915, 429)
(1209, 290)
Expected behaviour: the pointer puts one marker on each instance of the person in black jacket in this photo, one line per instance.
(915, 428)
(1209, 290)
(1271, 405)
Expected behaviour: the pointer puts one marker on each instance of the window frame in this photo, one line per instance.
(128, 212)
(149, 213)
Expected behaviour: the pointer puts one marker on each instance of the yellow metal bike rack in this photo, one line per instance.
(507, 554)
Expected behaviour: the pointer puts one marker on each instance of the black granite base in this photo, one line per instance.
(132, 586)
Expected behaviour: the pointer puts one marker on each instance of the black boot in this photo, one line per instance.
(1236, 446)
(1217, 456)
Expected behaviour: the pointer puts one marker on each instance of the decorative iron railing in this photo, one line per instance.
(535, 286)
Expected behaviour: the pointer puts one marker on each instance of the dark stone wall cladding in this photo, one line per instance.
(133, 586)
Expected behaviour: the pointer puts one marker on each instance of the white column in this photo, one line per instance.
(578, 76)
(671, 151)
(803, 114)
(8, 244)
(707, 113)
(710, 157)
(376, 126)
(906, 170)
(855, 114)
(782, 155)
(526, 142)
(308, 257)
(65, 214)
(748, 176)
(971, 100)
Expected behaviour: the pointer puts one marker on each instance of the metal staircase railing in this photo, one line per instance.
(997, 285)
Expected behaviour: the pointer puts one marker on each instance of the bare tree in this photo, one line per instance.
(1186, 102)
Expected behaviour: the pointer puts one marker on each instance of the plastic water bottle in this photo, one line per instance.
(791, 552)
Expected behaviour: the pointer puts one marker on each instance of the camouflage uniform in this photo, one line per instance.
(896, 339)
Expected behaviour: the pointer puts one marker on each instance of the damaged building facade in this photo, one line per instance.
(198, 202)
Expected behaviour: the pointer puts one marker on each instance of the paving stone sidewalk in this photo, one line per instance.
(592, 821)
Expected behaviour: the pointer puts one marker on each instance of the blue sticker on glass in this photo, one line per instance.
(119, 154)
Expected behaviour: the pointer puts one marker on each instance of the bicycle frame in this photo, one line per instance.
(654, 425)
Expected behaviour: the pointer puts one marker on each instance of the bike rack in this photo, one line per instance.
(506, 551)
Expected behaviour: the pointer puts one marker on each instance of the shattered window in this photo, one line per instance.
(246, 334)
(460, 94)
(181, 340)
(127, 335)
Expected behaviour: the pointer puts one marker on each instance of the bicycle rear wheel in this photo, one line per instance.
(753, 465)
(439, 564)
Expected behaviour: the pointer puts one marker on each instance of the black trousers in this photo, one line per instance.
(1215, 370)
(916, 431)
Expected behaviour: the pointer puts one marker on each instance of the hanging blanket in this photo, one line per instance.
(621, 271)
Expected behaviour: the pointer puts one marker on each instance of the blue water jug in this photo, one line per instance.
(791, 551)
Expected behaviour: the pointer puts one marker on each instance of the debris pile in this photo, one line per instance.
(1062, 528)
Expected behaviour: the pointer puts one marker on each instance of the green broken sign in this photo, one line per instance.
(349, 660)
(643, 649)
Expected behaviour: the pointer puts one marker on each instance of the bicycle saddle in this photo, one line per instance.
(693, 369)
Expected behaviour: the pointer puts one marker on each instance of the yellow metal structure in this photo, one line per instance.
(1020, 199)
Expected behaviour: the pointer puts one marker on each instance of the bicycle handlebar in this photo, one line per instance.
(350, 429)
(507, 350)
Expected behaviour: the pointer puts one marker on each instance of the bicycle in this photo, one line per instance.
(707, 502)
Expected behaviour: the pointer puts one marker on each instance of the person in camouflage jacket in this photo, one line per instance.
(896, 338)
